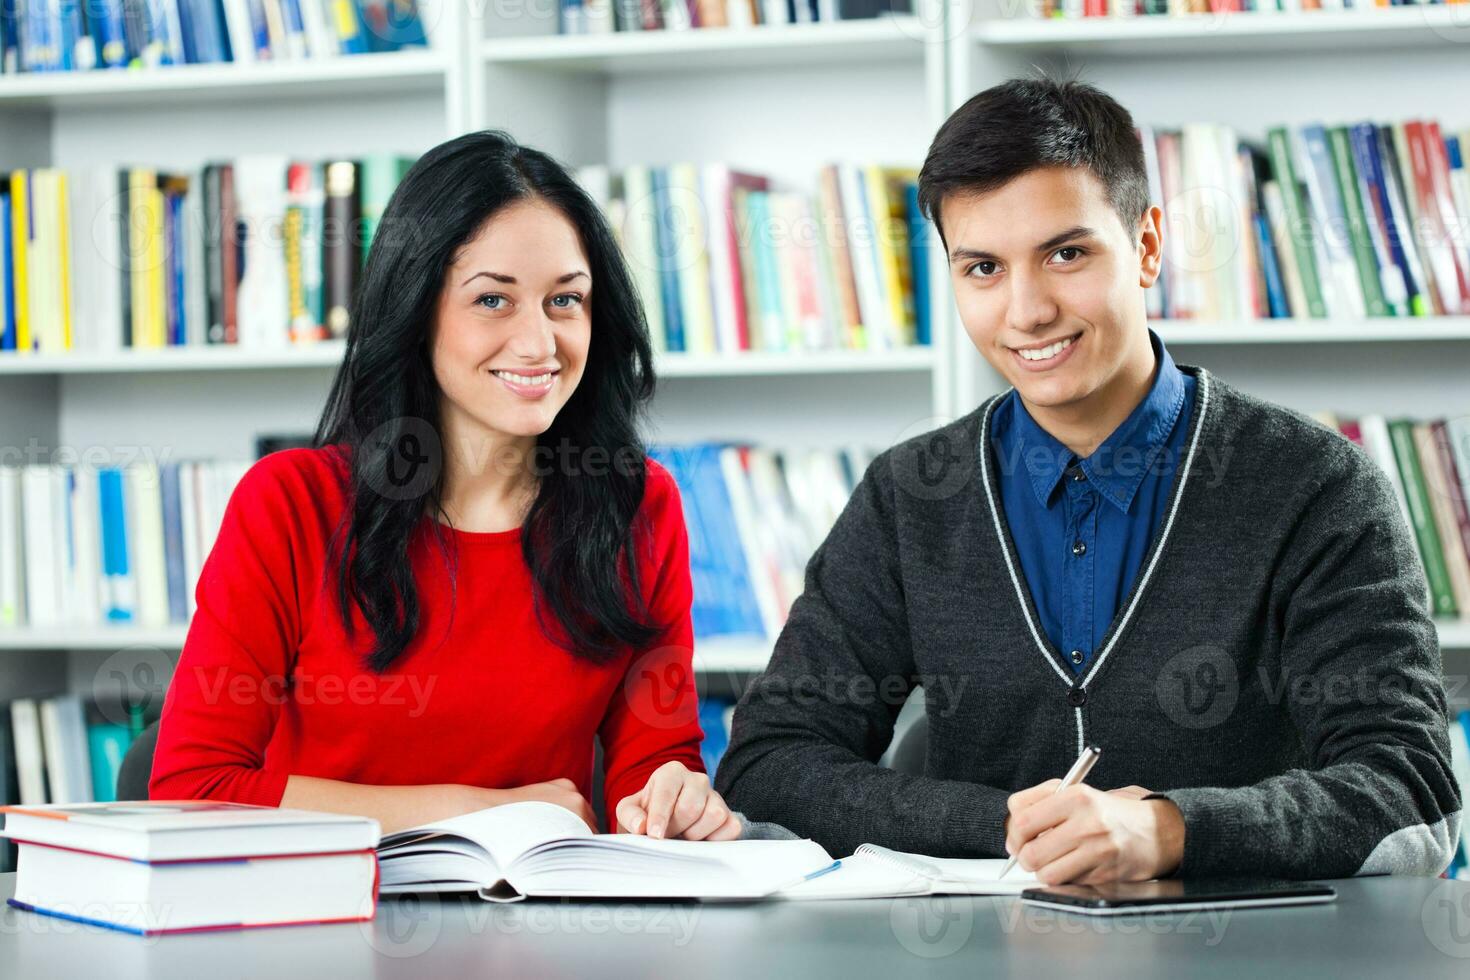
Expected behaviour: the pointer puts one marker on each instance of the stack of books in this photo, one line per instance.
(1339, 222)
(164, 867)
(82, 35)
(1078, 9)
(1428, 464)
(725, 263)
(262, 252)
(606, 16)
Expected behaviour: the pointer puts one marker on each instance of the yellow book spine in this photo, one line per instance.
(63, 264)
(20, 237)
(137, 254)
(157, 315)
(887, 246)
(898, 179)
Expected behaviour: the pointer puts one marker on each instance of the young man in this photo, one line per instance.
(1119, 551)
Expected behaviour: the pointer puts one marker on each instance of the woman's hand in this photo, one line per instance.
(678, 803)
(562, 792)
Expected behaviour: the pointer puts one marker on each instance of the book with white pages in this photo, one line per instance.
(537, 849)
(878, 872)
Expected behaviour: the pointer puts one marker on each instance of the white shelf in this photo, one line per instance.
(793, 45)
(328, 354)
(1381, 330)
(737, 654)
(1253, 33)
(362, 74)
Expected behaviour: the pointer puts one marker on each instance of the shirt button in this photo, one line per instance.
(1079, 549)
(1077, 697)
(1078, 475)
(1076, 656)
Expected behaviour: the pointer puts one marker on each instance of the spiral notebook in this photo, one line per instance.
(878, 872)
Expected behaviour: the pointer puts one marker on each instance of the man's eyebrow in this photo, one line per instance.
(511, 280)
(961, 253)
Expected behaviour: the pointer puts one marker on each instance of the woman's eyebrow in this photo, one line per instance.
(511, 280)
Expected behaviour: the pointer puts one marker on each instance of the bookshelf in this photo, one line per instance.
(616, 100)
(1253, 71)
(781, 101)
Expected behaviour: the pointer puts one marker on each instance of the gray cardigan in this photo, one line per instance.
(1274, 670)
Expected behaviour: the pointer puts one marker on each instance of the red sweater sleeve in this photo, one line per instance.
(654, 716)
(223, 703)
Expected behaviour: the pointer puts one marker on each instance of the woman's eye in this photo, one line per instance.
(572, 299)
(491, 301)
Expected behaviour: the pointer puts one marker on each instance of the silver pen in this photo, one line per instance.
(1075, 775)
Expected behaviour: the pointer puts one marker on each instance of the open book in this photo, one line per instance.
(510, 852)
(877, 872)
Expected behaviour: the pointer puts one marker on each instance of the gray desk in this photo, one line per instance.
(1385, 927)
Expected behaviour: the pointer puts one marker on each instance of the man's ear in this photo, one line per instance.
(1150, 240)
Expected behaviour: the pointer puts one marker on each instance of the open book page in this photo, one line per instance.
(502, 833)
(632, 866)
(878, 872)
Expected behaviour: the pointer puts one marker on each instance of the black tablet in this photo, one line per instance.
(1124, 898)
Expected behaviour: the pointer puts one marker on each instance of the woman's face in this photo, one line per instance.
(509, 342)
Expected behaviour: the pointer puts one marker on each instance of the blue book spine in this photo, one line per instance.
(259, 30)
(179, 306)
(347, 23)
(295, 26)
(108, 33)
(1367, 134)
(667, 267)
(173, 543)
(115, 570)
(401, 26)
(919, 259)
(9, 36)
(767, 271)
(1275, 289)
(742, 612)
(188, 37)
(69, 14)
(700, 555)
(214, 38)
(106, 745)
(7, 278)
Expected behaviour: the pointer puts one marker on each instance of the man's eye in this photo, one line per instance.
(1076, 253)
(986, 268)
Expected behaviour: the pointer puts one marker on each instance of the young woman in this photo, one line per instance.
(476, 570)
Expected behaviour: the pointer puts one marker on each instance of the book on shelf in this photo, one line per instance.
(535, 849)
(87, 35)
(1428, 465)
(263, 252)
(1339, 222)
(725, 262)
(609, 16)
(59, 750)
(182, 866)
(1088, 9)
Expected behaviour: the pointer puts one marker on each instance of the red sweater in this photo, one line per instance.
(268, 684)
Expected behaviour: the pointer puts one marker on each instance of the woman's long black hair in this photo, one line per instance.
(577, 538)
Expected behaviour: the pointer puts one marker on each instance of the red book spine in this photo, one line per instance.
(1454, 480)
(1439, 177)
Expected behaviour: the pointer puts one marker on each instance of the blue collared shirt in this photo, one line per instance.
(1083, 527)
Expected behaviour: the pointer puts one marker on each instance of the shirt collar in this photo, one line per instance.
(1117, 467)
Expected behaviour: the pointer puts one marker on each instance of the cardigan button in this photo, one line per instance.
(1077, 697)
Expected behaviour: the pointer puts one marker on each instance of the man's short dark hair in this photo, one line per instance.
(1026, 123)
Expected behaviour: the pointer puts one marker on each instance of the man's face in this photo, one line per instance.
(1049, 283)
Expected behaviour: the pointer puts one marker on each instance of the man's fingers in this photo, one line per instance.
(1077, 864)
(1021, 799)
(1024, 825)
(1045, 848)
